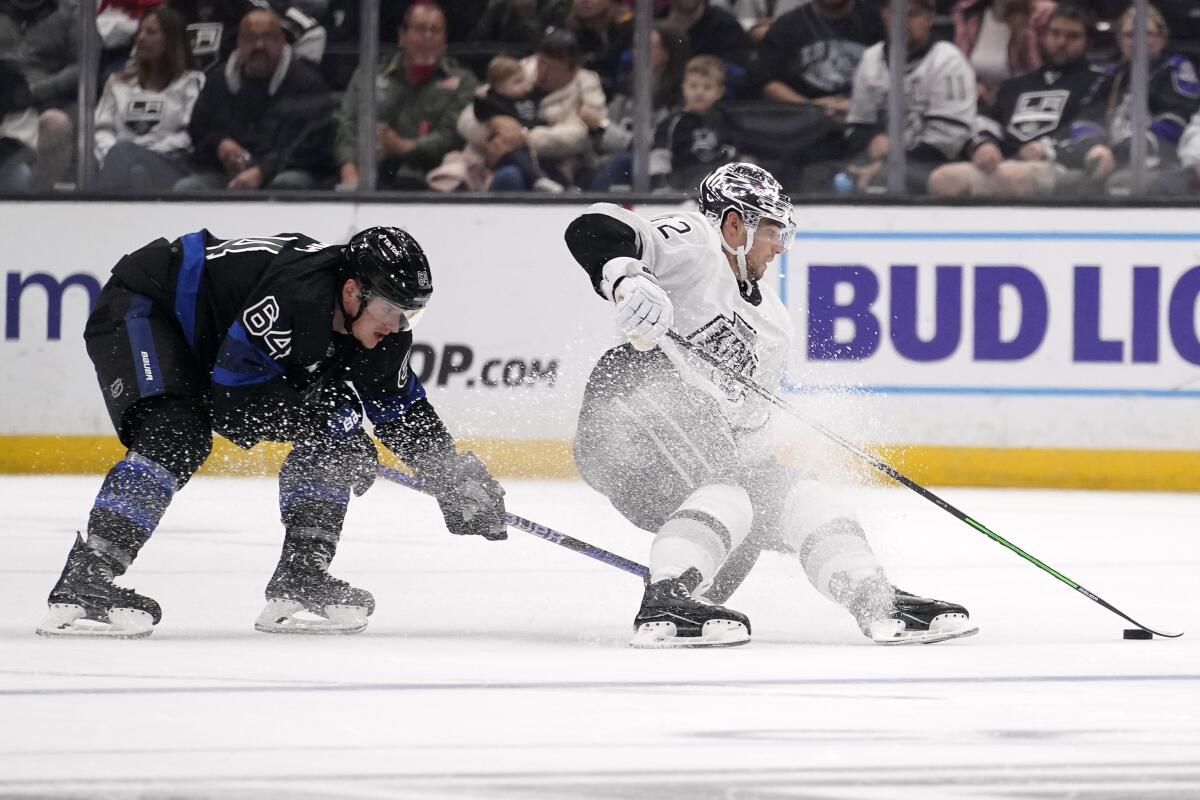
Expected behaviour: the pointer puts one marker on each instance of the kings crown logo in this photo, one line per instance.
(729, 342)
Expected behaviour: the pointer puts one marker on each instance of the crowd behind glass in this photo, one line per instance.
(1002, 97)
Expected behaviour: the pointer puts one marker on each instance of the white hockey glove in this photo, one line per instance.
(644, 311)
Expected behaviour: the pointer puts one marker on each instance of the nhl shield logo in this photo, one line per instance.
(116, 388)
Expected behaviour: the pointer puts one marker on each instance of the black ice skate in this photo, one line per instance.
(85, 602)
(301, 584)
(671, 617)
(895, 616)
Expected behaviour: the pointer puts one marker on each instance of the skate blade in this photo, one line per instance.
(664, 635)
(69, 620)
(943, 628)
(290, 616)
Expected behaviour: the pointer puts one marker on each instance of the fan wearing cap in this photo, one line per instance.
(686, 452)
(275, 338)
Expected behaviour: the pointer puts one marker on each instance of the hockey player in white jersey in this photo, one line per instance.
(682, 450)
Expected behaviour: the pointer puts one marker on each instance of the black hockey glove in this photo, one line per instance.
(471, 500)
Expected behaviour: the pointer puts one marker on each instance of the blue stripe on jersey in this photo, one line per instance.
(141, 346)
(187, 285)
(240, 363)
(390, 404)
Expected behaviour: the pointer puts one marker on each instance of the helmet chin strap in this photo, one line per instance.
(739, 254)
(349, 318)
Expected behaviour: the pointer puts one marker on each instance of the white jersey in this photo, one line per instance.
(683, 252)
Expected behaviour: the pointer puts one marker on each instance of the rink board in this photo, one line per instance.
(1054, 347)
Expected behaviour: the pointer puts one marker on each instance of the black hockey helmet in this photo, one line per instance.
(390, 265)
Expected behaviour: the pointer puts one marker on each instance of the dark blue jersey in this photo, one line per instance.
(257, 314)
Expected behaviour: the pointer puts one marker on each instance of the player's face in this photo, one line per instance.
(373, 323)
(1064, 41)
(770, 240)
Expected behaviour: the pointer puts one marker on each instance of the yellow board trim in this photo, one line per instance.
(1143, 470)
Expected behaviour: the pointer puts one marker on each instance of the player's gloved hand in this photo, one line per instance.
(471, 500)
(644, 311)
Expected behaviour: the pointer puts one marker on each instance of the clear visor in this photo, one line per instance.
(396, 317)
(775, 234)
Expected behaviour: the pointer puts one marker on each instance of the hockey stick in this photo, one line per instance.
(900, 477)
(540, 531)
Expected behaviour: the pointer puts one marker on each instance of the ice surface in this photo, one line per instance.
(501, 669)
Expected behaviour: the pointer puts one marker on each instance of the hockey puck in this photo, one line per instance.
(1137, 633)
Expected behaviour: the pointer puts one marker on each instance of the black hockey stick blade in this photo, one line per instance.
(899, 477)
(538, 530)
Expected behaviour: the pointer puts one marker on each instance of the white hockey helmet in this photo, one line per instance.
(752, 192)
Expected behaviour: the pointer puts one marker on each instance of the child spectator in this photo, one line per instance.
(562, 146)
(697, 139)
(509, 94)
(142, 117)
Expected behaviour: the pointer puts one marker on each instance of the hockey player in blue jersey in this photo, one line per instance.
(279, 338)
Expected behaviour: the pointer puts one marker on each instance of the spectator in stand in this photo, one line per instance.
(1185, 179)
(1014, 151)
(1001, 39)
(117, 23)
(420, 94)
(757, 16)
(461, 17)
(561, 146)
(698, 138)
(1101, 141)
(519, 22)
(212, 28)
(42, 38)
(809, 56)
(939, 90)
(714, 32)
(18, 129)
(612, 130)
(142, 118)
(264, 120)
(507, 98)
(604, 30)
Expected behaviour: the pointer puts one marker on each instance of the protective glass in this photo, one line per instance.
(392, 315)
